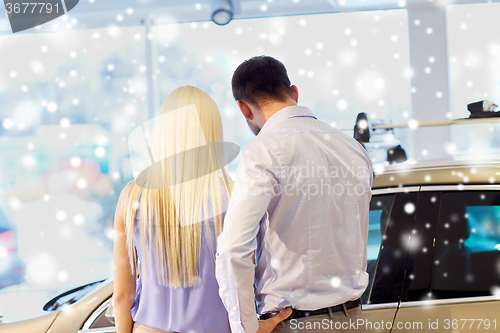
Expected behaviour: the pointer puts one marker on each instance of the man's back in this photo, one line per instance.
(300, 201)
(312, 250)
(309, 185)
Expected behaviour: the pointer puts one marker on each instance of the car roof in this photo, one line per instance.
(437, 173)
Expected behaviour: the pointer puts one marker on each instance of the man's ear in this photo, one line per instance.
(295, 92)
(245, 109)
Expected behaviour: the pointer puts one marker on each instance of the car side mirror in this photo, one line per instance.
(110, 312)
(1, 318)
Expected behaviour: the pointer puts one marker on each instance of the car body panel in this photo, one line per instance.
(34, 325)
(413, 182)
(453, 172)
(442, 314)
(69, 318)
(378, 315)
(73, 317)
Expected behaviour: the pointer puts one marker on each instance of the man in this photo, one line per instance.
(301, 202)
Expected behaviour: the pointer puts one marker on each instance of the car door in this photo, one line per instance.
(101, 320)
(457, 287)
(392, 212)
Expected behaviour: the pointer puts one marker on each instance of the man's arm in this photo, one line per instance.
(256, 177)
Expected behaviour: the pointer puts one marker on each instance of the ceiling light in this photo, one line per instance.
(222, 11)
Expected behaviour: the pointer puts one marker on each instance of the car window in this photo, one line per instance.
(467, 259)
(380, 208)
(421, 248)
(386, 284)
(102, 320)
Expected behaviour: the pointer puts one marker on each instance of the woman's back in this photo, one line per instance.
(186, 309)
(168, 218)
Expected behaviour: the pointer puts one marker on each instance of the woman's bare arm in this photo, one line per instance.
(124, 288)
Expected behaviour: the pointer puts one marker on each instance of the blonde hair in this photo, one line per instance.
(175, 191)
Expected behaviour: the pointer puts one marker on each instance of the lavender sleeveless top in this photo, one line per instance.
(195, 309)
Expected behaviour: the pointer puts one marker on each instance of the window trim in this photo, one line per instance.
(99, 330)
(392, 305)
(489, 187)
(476, 299)
(382, 191)
(93, 317)
(389, 190)
(450, 301)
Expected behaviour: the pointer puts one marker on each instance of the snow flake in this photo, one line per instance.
(64, 122)
(335, 282)
(7, 123)
(342, 104)
(78, 219)
(81, 183)
(61, 215)
(62, 276)
(409, 208)
(100, 152)
(413, 124)
(75, 162)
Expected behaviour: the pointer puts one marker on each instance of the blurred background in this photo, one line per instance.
(73, 89)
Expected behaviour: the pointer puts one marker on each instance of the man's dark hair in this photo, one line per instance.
(259, 79)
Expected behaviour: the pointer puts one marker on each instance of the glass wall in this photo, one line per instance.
(68, 102)
(70, 99)
(474, 62)
(342, 63)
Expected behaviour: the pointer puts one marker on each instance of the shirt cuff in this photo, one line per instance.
(249, 326)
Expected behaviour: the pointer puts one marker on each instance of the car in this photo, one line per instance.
(12, 268)
(433, 256)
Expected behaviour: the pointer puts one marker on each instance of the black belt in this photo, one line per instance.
(299, 313)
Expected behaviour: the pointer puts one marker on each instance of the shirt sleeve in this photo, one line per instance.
(255, 186)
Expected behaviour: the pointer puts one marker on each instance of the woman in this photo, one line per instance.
(168, 218)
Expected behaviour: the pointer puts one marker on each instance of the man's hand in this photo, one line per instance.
(268, 325)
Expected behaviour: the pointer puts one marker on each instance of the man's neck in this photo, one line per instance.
(271, 108)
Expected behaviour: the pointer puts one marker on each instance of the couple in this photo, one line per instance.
(284, 250)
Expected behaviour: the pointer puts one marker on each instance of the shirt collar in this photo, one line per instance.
(286, 113)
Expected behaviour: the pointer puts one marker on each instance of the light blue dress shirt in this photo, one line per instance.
(301, 201)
